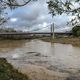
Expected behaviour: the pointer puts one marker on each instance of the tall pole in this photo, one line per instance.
(52, 31)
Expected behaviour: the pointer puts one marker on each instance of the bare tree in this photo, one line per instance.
(12, 4)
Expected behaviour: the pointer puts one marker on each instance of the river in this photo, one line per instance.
(53, 56)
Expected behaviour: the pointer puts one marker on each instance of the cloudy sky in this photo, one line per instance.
(35, 16)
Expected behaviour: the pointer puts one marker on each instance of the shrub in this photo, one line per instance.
(76, 31)
(7, 72)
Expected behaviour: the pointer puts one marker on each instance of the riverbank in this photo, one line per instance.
(7, 72)
(36, 72)
(68, 40)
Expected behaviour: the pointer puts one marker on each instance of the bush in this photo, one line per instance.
(7, 72)
(76, 31)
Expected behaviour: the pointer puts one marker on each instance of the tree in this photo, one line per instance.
(12, 4)
(76, 30)
(65, 6)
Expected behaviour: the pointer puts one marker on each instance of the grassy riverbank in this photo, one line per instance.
(7, 72)
(69, 40)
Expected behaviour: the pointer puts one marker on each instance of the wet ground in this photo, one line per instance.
(63, 58)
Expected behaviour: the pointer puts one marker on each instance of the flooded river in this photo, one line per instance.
(53, 56)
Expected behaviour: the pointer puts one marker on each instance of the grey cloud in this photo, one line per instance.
(33, 15)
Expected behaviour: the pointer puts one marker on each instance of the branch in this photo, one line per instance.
(4, 21)
(72, 10)
(10, 4)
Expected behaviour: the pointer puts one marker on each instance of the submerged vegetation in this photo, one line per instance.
(7, 72)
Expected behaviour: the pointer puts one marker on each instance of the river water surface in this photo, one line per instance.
(53, 56)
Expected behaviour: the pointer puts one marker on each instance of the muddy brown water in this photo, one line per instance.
(53, 56)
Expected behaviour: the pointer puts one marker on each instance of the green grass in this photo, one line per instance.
(7, 72)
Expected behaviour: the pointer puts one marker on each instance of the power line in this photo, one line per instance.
(55, 26)
(41, 28)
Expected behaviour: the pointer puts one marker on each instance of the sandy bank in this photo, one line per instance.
(40, 73)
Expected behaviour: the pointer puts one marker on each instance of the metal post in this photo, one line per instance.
(52, 31)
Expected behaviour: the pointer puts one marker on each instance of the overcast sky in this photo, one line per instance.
(35, 16)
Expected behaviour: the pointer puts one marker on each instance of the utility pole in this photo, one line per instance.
(52, 31)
